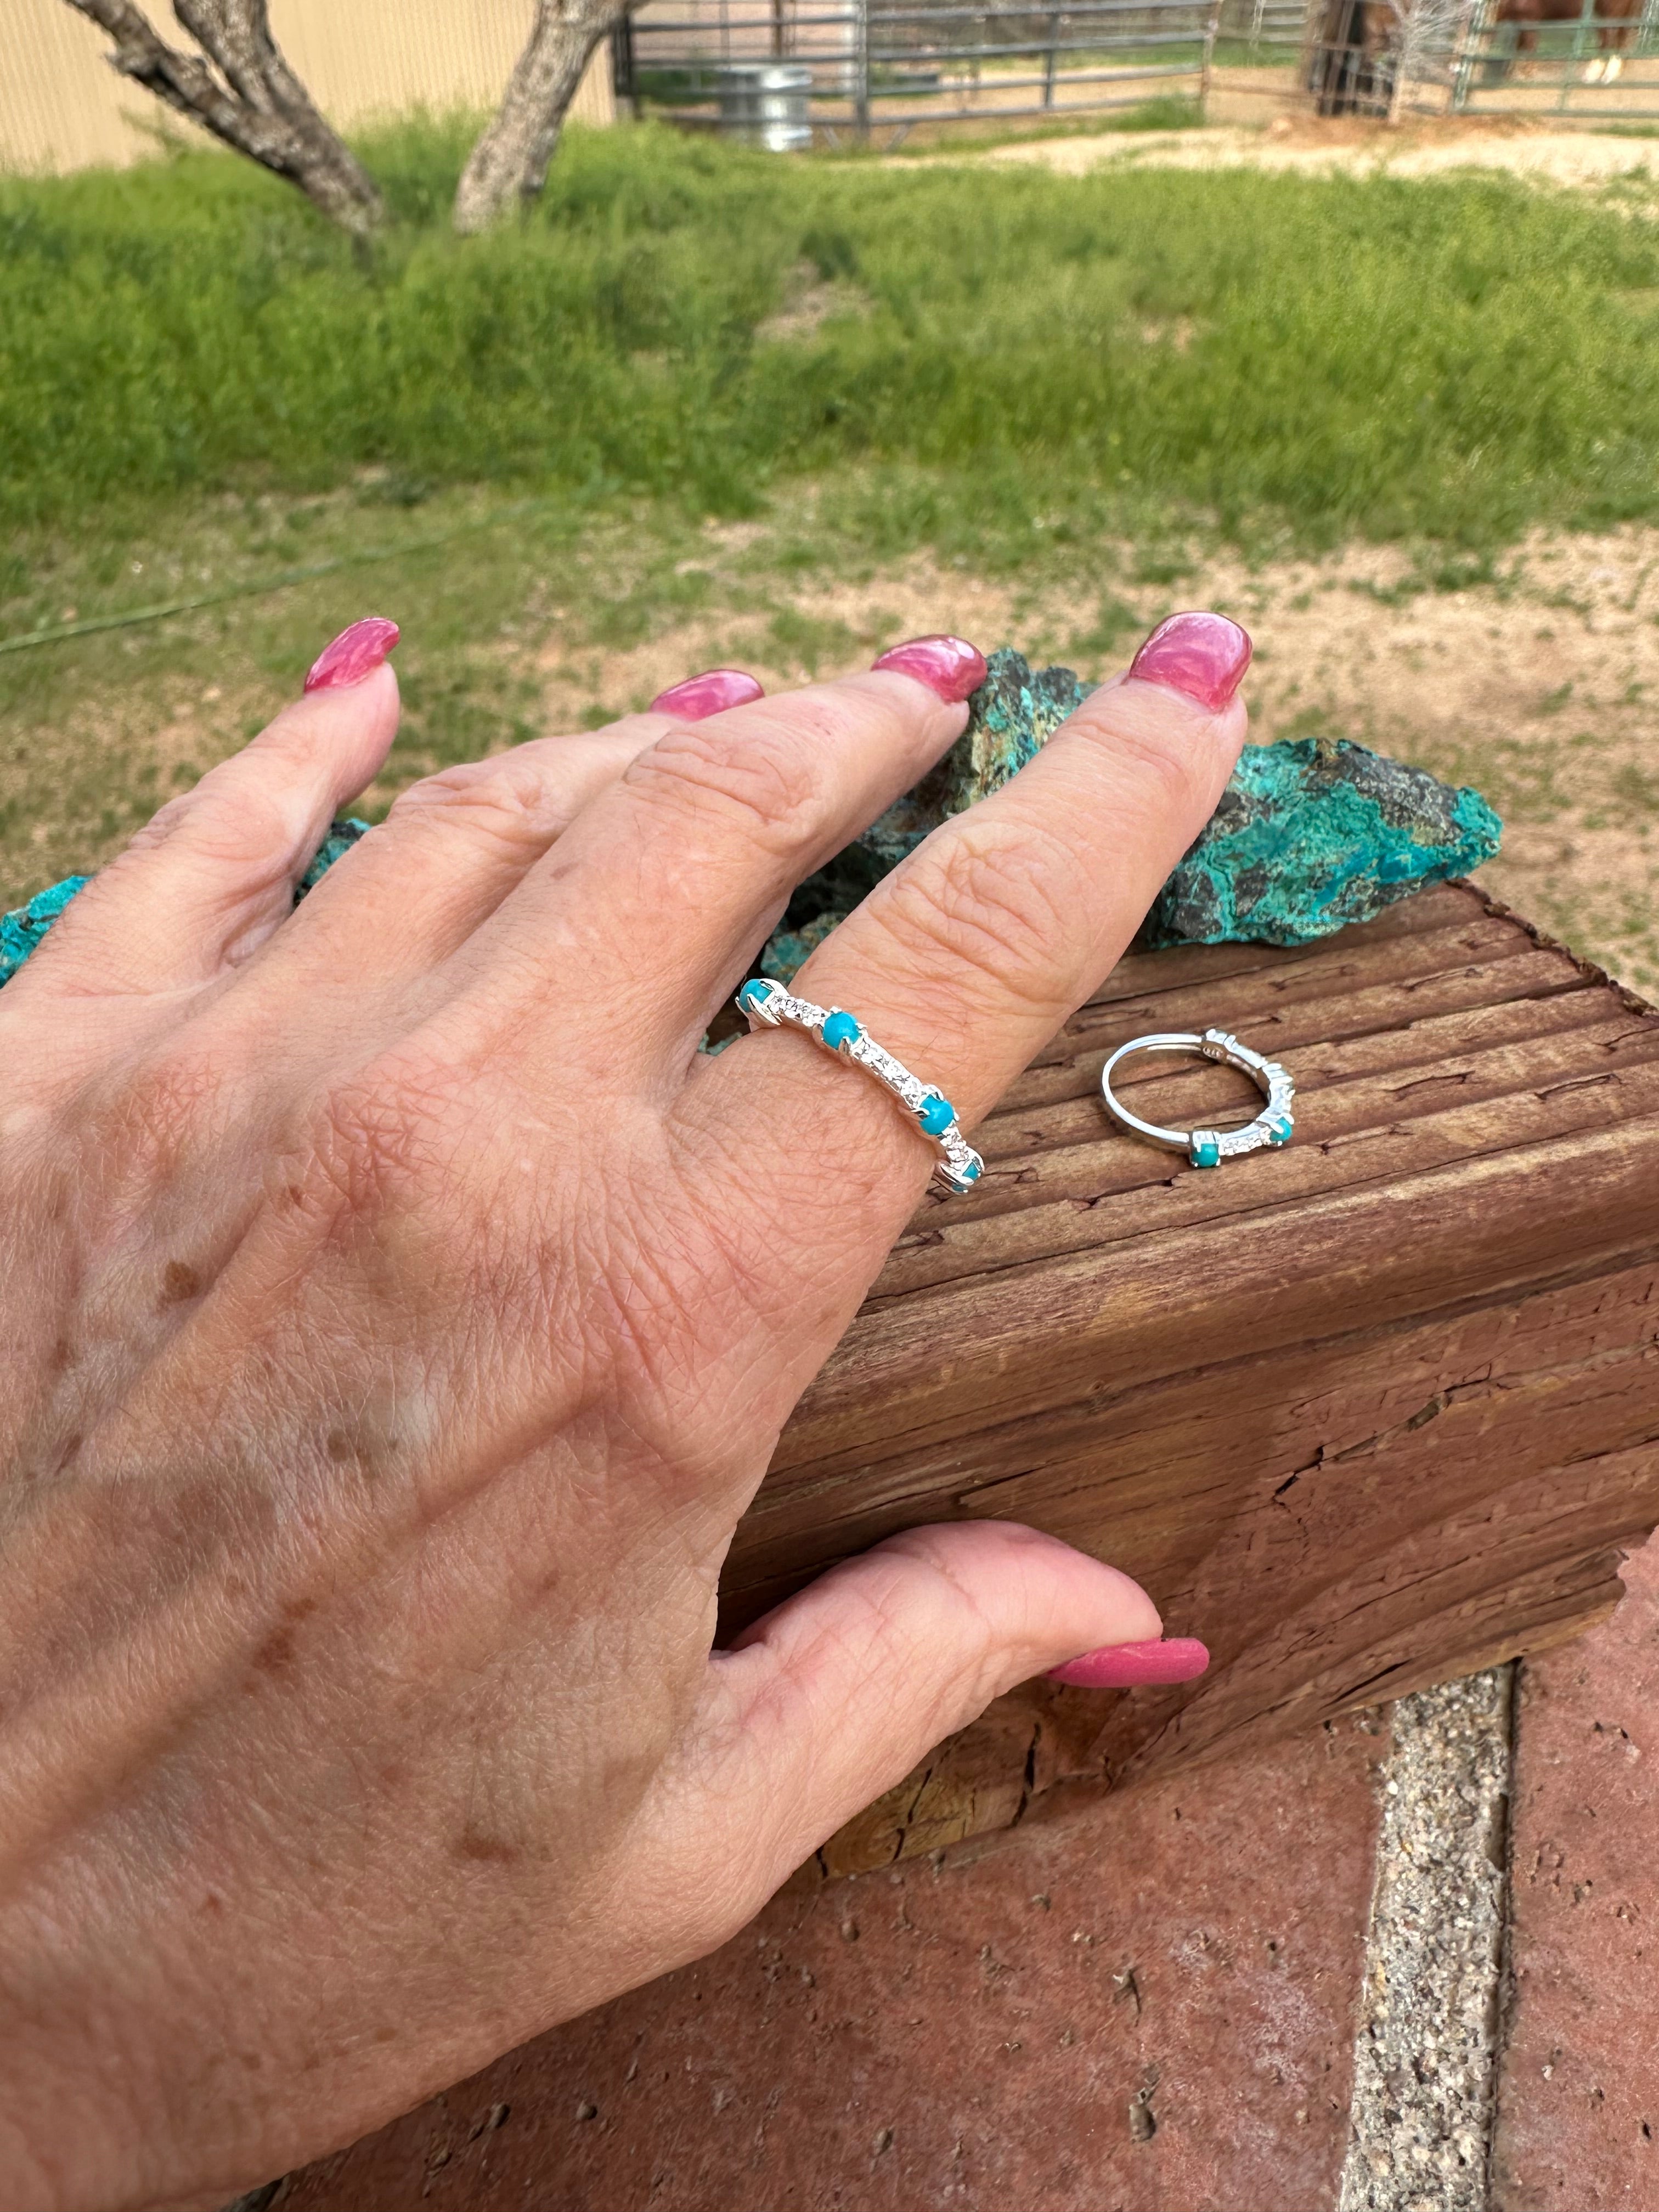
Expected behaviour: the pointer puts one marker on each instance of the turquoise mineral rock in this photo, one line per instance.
(1011, 718)
(1308, 836)
(22, 930)
(342, 836)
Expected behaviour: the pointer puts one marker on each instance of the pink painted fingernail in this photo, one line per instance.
(949, 665)
(1203, 655)
(1122, 1666)
(356, 652)
(711, 693)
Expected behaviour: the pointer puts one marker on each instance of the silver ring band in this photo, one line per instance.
(769, 1005)
(1208, 1148)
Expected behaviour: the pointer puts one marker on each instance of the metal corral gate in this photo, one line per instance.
(1597, 61)
(855, 67)
(1473, 57)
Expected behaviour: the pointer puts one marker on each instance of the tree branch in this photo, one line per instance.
(255, 104)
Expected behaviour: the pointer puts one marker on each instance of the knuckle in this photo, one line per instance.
(377, 1142)
(772, 783)
(1170, 768)
(237, 831)
(986, 902)
(509, 801)
(1170, 772)
(164, 823)
(142, 1128)
(227, 820)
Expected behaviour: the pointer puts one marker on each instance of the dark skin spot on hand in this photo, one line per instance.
(276, 1653)
(493, 1850)
(179, 1284)
(361, 1447)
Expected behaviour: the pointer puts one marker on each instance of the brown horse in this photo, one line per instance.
(1614, 22)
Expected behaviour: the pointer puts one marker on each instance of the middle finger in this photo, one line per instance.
(669, 881)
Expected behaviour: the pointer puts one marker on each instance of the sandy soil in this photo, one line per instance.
(1581, 159)
(1539, 685)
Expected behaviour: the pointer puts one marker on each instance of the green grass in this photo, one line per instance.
(583, 434)
(1458, 359)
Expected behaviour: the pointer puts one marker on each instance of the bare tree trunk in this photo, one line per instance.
(509, 163)
(255, 103)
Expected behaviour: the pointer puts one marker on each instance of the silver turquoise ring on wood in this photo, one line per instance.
(1208, 1148)
(769, 1005)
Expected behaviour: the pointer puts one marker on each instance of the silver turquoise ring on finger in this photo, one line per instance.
(770, 1005)
(1208, 1148)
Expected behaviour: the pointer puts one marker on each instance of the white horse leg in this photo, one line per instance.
(1610, 74)
(1593, 70)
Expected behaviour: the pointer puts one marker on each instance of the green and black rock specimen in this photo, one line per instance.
(1307, 837)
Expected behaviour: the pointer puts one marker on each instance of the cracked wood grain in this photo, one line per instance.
(1366, 1414)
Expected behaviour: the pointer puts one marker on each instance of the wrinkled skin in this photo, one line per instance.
(399, 1314)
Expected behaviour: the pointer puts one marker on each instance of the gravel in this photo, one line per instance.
(1423, 2057)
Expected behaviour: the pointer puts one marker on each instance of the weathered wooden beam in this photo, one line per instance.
(1363, 1414)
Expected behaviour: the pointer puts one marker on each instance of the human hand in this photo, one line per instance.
(399, 1314)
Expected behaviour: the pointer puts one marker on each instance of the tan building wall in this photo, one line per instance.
(63, 107)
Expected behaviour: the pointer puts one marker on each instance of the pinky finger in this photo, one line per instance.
(207, 880)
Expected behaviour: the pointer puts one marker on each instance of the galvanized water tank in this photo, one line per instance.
(764, 104)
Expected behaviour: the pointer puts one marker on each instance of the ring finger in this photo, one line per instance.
(968, 958)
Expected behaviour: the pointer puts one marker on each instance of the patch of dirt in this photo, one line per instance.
(810, 302)
(1541, 687)
(1323, 146)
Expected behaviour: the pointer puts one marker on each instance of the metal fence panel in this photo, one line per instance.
(893, 64)
(1595, 63)
(1599, 62)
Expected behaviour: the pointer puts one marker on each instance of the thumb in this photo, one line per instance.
(836, 1695)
